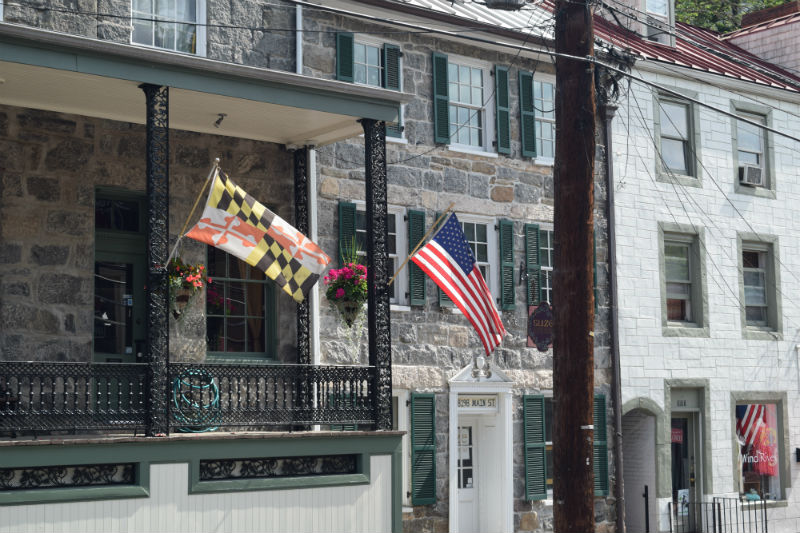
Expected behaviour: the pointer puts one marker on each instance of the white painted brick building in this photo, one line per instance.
(708, 273)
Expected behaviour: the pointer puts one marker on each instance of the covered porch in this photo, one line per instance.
(148, 391)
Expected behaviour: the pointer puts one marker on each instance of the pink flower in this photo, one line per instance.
(340, 293)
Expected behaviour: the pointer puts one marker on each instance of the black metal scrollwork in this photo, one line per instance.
(45, 477)
(278, 467)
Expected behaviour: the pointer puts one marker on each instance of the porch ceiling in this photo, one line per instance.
(63, 73)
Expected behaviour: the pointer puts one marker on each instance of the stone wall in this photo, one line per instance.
(50, 167)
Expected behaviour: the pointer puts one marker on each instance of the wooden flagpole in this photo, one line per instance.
(214, 167)
(449, 208)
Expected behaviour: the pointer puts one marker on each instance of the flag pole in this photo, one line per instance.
(214, 167)
(450, 207)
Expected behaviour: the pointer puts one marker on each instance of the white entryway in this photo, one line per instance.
(481, 458)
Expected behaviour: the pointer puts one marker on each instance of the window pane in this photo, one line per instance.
(678, 310)
(235, 293)
(117, 215)
(359, 73)
(477, 77)
(750, 259)
(463, 95)
(657, 7)
(677, 262)
(235, 335)
(755, 295)
(674, 154)
(373, 57)
(749, 158)
(749, 137)
(453, 91)
(678, 290)
(463, 74)
(480, 232)
(374, 77)
(755, 315)
(359, 53)
(474, 137)
(452, 73)
(758, 434)
(477, 96)
(674, 120)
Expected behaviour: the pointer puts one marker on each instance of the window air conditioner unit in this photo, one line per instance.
(751, 175)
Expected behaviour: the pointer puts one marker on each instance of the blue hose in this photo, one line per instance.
(189, 406)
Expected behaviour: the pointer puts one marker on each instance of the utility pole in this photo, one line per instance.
(573, 355)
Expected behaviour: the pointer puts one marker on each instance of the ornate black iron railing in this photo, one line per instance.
(60, 396)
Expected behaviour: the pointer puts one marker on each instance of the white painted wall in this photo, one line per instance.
(170, 508)
(728, 361)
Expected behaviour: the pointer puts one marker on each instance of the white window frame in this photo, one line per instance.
(486, 110)
(200, 24)
(492, 249)
(401, 245)
(539, 119)
(547, 279)
(374, 41)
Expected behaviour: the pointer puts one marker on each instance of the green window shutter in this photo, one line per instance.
(441, 100)
(347, 228)
(391, 67)
(532, 264)
(423, 449)
(416, 277)
(344, 57)
(600, 446)
(444, 300)
(535, 463)
(527, 119)
(507, 296)
(502, 108)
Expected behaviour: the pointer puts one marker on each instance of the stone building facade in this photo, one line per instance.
(54, 164)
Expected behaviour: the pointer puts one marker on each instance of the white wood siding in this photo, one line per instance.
(170, 508)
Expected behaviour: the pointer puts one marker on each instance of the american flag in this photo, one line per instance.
(749, 421)
(448, 260)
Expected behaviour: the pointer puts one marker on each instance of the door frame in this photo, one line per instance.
(499, 384)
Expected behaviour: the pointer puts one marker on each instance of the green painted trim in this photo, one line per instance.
(708, 459)
(146, 452)
(700, 328)
(397, 488)
(774, 331)
(193, 78)
(784, 444)
(769, 155)
(695, 177)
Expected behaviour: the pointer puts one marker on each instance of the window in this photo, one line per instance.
(479, 233)
(463, 117)
(545, 112)
(119, 323)
(675, 144)
(677, 269)
(546, 256)
(759, 444)
(170, 24)
(758, 289)
(538, 417)
(657, 7)
(752, 150)
(240, 309)
(466, 104)
(353, 225)
(683, 308)
(369, 62)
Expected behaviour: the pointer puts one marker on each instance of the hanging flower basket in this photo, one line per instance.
(347, 290)
(185, 282)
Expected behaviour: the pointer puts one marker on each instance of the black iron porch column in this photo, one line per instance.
(301, 223)
(157, 148)
(380, 339)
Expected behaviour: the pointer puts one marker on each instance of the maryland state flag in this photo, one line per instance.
(235, 222)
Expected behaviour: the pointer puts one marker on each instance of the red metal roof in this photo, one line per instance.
(701, 50)
(774, 23)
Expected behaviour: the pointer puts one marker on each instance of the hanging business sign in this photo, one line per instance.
(540, 326)
(677, 436)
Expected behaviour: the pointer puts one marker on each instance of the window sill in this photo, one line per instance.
(679, 179)
(544, 161)
(397, 308)
(676, 329)
(469, 150)
(760, 192)
(754, 333)
(170, 50)
(396, 140)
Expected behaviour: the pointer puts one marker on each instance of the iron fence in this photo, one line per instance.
(721, 515)
(67, 396)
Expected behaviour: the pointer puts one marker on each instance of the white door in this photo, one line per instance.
(468, 476)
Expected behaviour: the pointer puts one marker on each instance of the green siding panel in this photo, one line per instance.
(532, 264)
(344, 56)
(600, 447)
(441, 100)
(535, 464)
(527, 119)
(347, 228)
(423, 449)
(416, 277)
(503, 110)
(507, 288)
